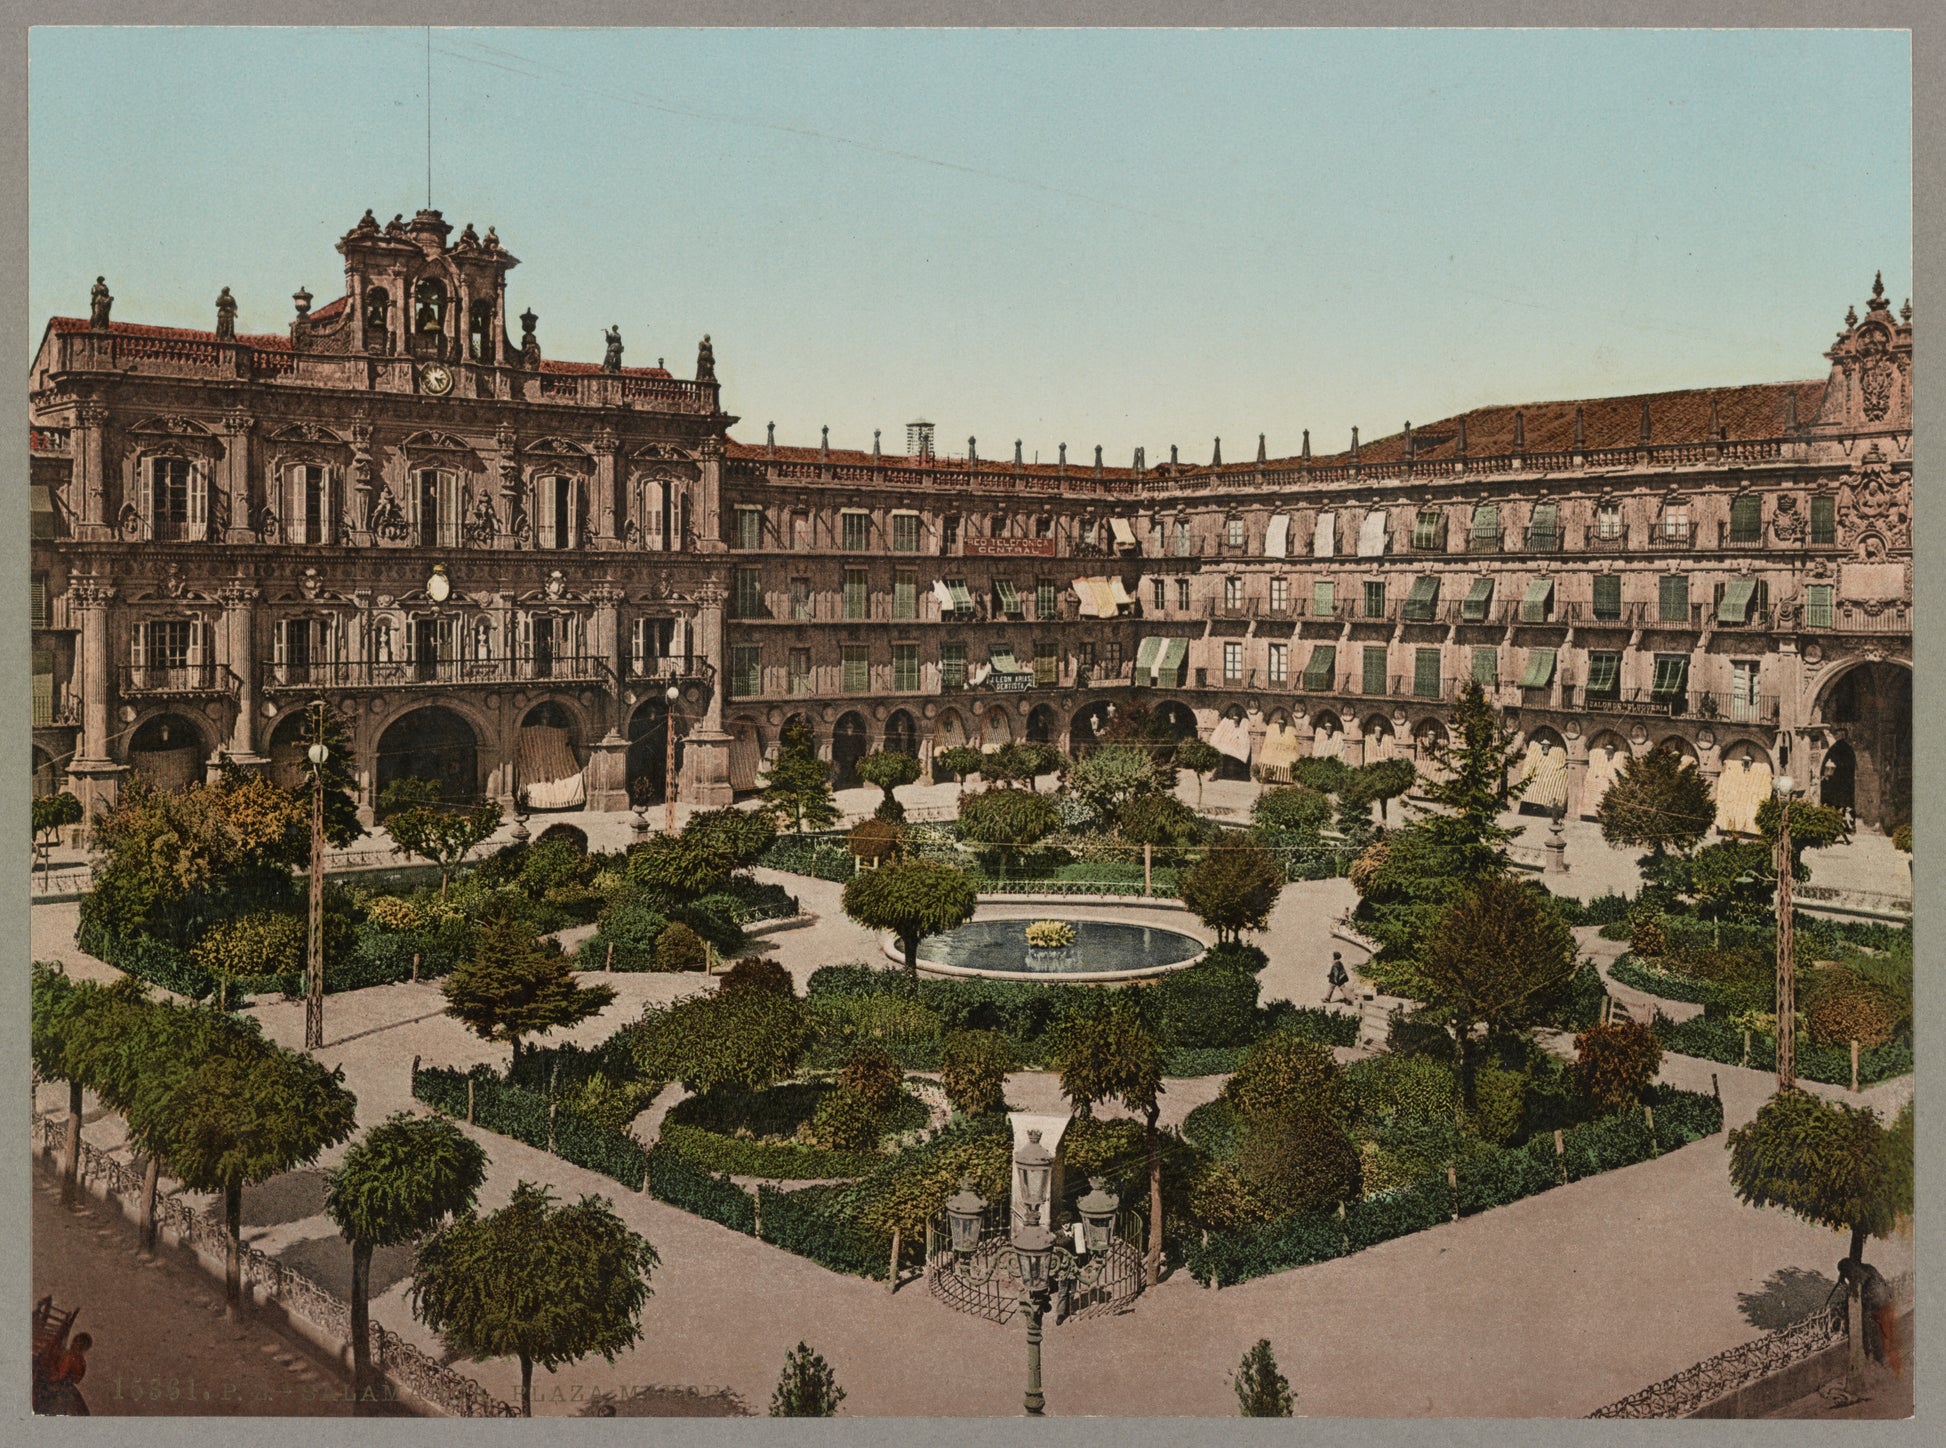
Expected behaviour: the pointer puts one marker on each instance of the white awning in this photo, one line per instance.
(1119, 592)
(1083, 589)
(1277, 536)
(1324, 543)
(944, 594)
(1371, 534)
(1231, 737)
(1124, 535)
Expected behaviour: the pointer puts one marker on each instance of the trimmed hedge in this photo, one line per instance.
(816, 1222)
(677, 1182)
(810, 855)
(1715, 1039)
(780, 1161)
(1670, 987)
(1487, 1177)
(522, 1114)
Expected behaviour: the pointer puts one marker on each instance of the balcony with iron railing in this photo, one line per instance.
(440, 671)
(1706, 704)
(177, 679)
(681, 669)
(1855, 618)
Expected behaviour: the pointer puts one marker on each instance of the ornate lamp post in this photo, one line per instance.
(1786, 964)
(1032, 1253)
(670, 695)
(314, 961)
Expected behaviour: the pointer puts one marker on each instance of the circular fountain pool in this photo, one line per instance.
(1103, 950)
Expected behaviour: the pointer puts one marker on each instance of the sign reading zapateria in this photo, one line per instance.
(1010, 547)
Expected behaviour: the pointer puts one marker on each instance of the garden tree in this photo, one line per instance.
(1140, 727)
(798, 786)
(52, 812)
(1472, 780)
(1296, 1158)
(1019, 763)
(514, 987)
(1813, 827)
(958, 761)
(1659, 802)
(542, 1283)
(1160, 820)
(1008, 821)
(1111, 776)
(1293, 808)
(745, 1040)
(1354, 813)
(678, 948)
(1829, 1163)
(263, 943)
(1325, 773)
(1498, 959)
(1386, 779)
(712, 849)
(973, 1067)
(166, 864)
(321, 724)
(420, 824)
(911, 899)
(871, 1074)
(1201, 758)
(1614, 1065)
(1111, 1052)
(397, 1182)
(888, 770)
(876, 839)
(1730, 880)
(1234, 888)
(807, 1388)
(239, 1116)
(1282, 1071)
(1262, 1391)
(757, 974)
(58, 1004)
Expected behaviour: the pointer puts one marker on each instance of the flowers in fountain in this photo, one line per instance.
(1050, 934)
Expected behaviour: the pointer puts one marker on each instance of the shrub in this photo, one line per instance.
(1500, 1103)
(875, 839)
(873, 1076)
(1236, 1256)
(263, 944)
(1214, 1128)
(1840, 1008)
(757, 973)
(1161, 820)
(807, 1388)
(1209, 1005)
(562, 832)
(1262, 1391)
(892, 1021)
(1297, 1160)
(1902, 838)
(1398, 1213)
(1614, 1064)
(1313, 1023)
(1238, 955)
(389, 912)
(1293, 807)
(1280, 1072)
(748, 1039)
(973, 1069)
(1387, 1088)
(679, 948)
(818, 1223)
(1645, 935)
(632, 929)
(845, 1121)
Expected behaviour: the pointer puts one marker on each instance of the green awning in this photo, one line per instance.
(1540, 525)
(1001, 656)
(962, 598)
(1146, 655)
(1420, 602)
(1479, 598)
(1540, 669)
(1318, 668)
(1738, 595)
(1604, 673)
(1009, 600)
(1175, 653)
(1533, 608)
(1671, 675)
(1486, 521)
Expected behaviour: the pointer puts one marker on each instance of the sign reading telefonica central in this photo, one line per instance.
(1010, 547)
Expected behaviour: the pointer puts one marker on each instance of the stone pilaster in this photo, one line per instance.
(706, 750)
(708, 522)
(607, 506)
(239, 478)
(93, 772)
(240, 656)
(90, 478)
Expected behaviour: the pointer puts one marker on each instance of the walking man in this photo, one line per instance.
(1339, 978)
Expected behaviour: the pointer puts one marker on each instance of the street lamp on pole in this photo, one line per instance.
(319, 756)
(670, 695)
(1786, 1024)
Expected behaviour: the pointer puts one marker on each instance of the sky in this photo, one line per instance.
(1124, 238)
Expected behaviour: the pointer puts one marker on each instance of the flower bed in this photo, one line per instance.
(1489, 1177)
(1050, 934)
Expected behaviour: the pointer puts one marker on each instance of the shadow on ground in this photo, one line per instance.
(327, 1262)
(288, 1198)
(1788, 1295)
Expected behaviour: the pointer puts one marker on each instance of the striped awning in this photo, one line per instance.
(1371, 534)
(1084, 590)
(1533, 607)
(1420, 602)
(1546, 772)
(1318, 668)
(1009, 599)
(1001, 656)
(1324, 543)
(962, 598)
(1604, 672)
(944, 594)
(1738, 595)
(1119, 597)
(1671, 675)
(1146, 654)
(1124, 535)
(1279, 746)
(1175, 653)
(1540, 669)
(1479, 598)
(1744, 784)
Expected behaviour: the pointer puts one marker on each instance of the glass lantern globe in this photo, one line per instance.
(1033, 1174)
(318, 754)
(1098, 1210)
(1033, 1250)
(965, 1213)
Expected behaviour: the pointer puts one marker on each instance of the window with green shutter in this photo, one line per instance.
(905, 532)
(1539, 672)
(1817, 605)
(40, 515)
(856, 597)
(746, 670)
(749, 598)
(1429, 529)
(1604, 674)
(1318, 668)
(905, 667)
(1608, 596)
(1425, 673)
(1323, 598)
(1824, 519)
(750, 527)
(1486, 667)
(800, 671)
(1746, 519)
(1046, 598)
(1374, 598)
(1672, 599)
(1047, 665)
(1008, 599)
(1374, 665)
(856, 532)
(43, 696)
(43, 613)
(857, 660)
(1478, 600)
(1538, 602)
(952, 666)
(905, 595)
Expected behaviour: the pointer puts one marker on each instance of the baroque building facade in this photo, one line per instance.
(525, 577)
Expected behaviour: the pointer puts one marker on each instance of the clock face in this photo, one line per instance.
(435, 378)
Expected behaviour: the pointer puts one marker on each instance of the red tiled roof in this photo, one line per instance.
(330, 309)
(268, 341)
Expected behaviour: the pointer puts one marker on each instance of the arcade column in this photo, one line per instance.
(607, 769)
(240, 655)
(706, 751)
(93, 772)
